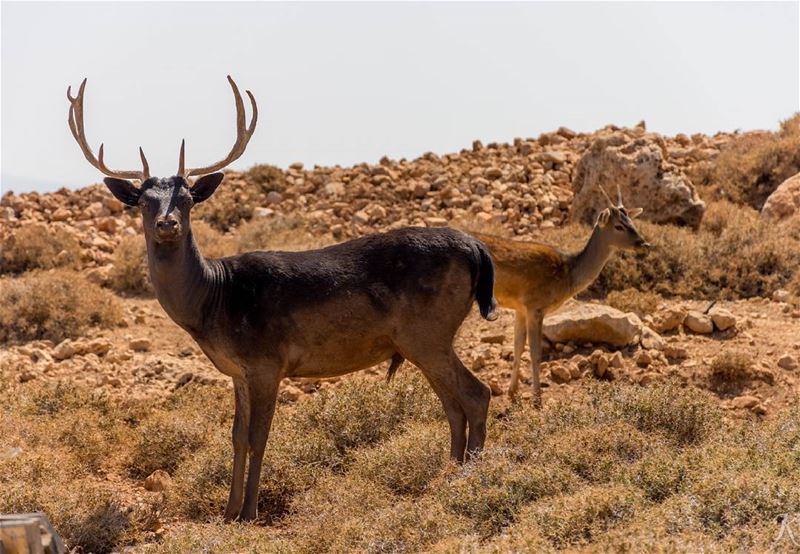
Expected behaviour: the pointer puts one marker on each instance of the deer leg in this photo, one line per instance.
(455, 413)
(263, 397)
(520, 333)
(535, 319)
(240, 444)
(474, 398)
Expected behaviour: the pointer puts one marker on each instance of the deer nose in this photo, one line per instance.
(166, 223)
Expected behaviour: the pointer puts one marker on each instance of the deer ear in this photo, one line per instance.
(603, 218)
(636, 212)
(205, 186)
(124, 191)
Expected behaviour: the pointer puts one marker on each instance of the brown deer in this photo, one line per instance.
(263, 316)
(534, 279)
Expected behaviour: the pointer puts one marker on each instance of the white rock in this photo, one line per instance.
(699, 322)
(784, 201)
(594, 323)
(723, 319)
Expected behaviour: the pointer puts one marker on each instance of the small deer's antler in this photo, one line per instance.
(610, 203)
(76, 126)
(243, 135)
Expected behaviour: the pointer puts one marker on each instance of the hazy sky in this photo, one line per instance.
(351, 82)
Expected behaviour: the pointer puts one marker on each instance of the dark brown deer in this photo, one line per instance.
(263, 316)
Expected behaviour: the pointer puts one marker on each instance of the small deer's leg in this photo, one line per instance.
(535, 319)
(263, 397)
(241, 420)
(520, 334)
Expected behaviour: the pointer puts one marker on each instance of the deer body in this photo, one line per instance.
(535, 279)
(263, 316)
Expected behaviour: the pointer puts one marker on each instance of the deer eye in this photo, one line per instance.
(619, 227)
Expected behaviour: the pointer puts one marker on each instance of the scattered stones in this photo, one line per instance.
(560, 374)
(494, 386)
(141, 344)
(643, 358)
(669, 320)
(745, 402)
(699, 322)
(780, 295)
(290, 393)
(787, 362)
(157, 481)
(651, 340)
(593, 323)
(723, 319)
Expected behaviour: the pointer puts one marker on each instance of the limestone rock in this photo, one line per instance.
(699, 322)
(646, 179)
(593, 323)
(141, 344)
(784, 202)
(669, 319)
(723, 319)
(788, 362)
(560, 374)
(651, 340)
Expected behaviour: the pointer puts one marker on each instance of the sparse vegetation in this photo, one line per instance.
(36, 246)
(266, 177)
(641, 303)
(129, 272)
(53, 305)
(621, 463)
(752, 166)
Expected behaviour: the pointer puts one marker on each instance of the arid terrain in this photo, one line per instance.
(687, 438)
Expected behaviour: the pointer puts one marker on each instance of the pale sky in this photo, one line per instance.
(342, 83)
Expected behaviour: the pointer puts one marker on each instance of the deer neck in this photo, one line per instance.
(184, 281)
(587, 264)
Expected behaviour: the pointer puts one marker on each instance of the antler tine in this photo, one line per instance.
(76, 127)
(619, 197)
(610, 203)
(243, 135)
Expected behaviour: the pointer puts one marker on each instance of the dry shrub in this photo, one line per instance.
(493, 488)
(583, 515)
(267, 178)
(683, 415)
(54, 305)
(636, 301)
(406, 463)
(275, 233)
(753, 165)
(731, 367)
(36, 246)
(367, 518)
(660, 473)
(361, 411)
(211, 242)
(599, 454)
(129, 272)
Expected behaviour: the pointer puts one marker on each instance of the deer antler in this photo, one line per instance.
(619, 197)
(79, 133)
(610, 203)
(243, 135)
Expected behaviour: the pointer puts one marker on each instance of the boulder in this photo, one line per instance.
(723, 319)
(698, 322)
(593, 323)
(784, 202)
(141, 344)
(788, 362)
(638, 167)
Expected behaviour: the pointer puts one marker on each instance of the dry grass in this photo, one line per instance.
(36, 246)
(53, 305)
(129, 272)
(362, 468)
(641, 303)
(752, 166)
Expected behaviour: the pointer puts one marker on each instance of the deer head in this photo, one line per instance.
(165, 202)
(616, 222)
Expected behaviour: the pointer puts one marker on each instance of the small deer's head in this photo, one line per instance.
(165, 203)
(616, 222)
